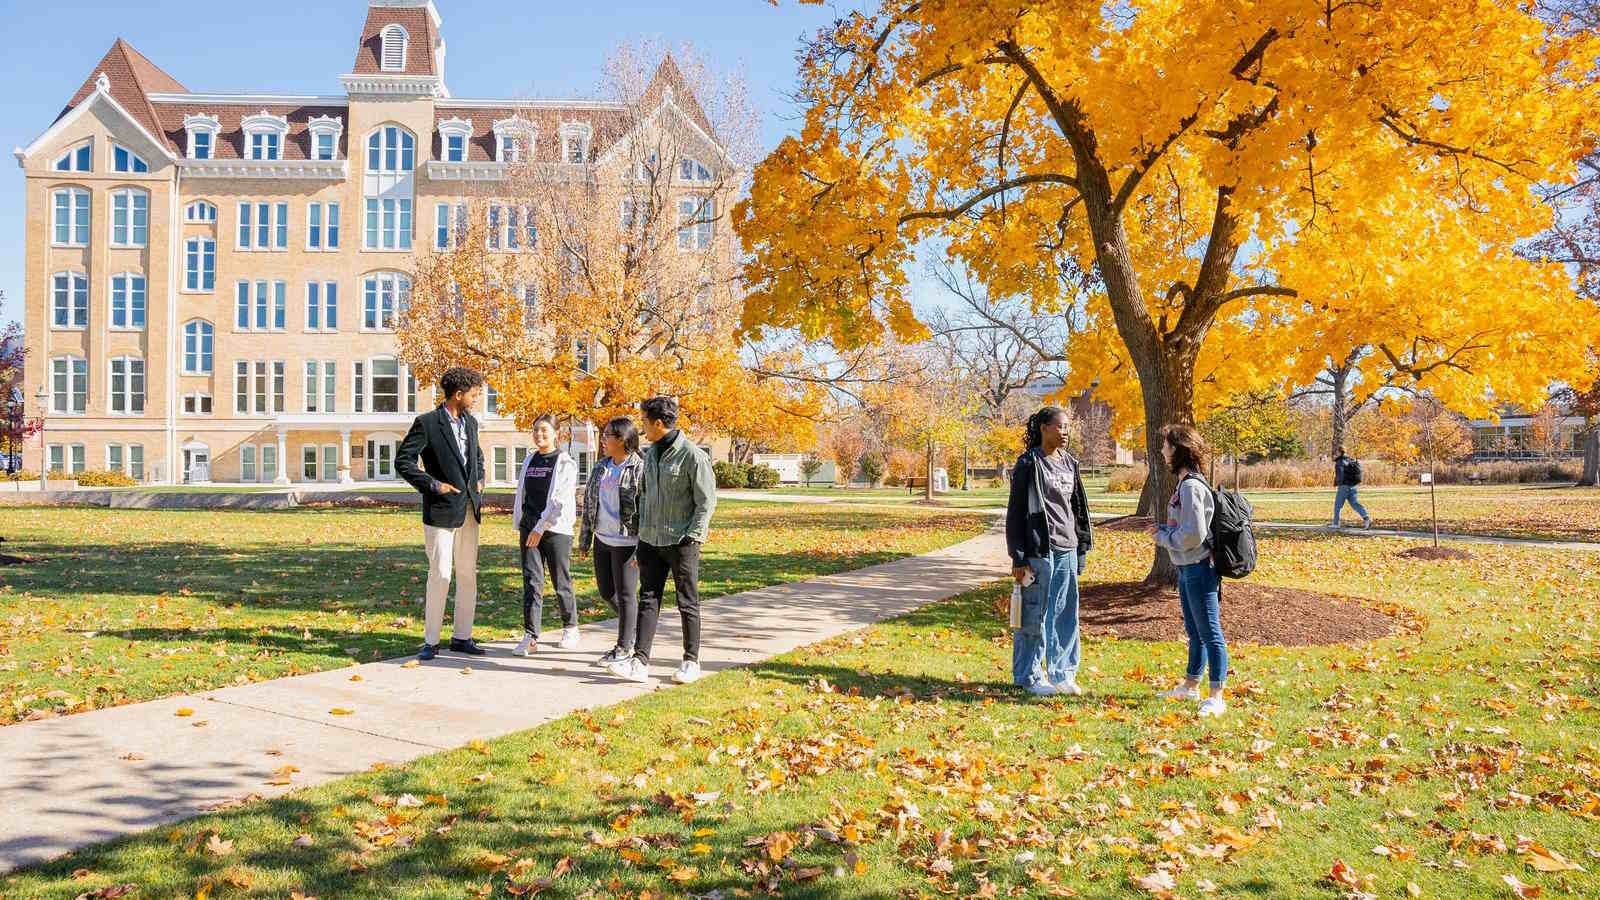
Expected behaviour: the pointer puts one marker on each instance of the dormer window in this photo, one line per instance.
(202, 135)
(325, 131)
(264, 135)
(575, 142)
(513, 140)
(125, 160)
(78, 159)
(394, 48)
(453, 137)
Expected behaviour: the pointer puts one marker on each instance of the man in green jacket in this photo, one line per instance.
(675, 504)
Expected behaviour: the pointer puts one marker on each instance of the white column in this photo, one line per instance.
(344, 457)
(283, 457)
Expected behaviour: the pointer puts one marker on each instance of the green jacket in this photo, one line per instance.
(679, 493)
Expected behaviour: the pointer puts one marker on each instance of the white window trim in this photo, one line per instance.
(127, 386)
(456, 127)
(183, 402)
(183, 336)
(511, 127)
(111, 218)
(390, 32)
(202, 205)
(183, 271)
(73, 276)
(456, 226)
(322, 226)
(361, 301)
(321, 125)
(72, 226)
(71, 153)
(263, 122)
(50, 379)
(583, 132)
(322, 326)
(278, 217)
(115, 146)
(203, 122)
(111, 324)
(250, 324)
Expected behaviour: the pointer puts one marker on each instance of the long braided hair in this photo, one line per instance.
(1037, 421)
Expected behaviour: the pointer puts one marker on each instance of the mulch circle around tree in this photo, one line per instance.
(1251, 614)
(1433, 553)
(9, 560)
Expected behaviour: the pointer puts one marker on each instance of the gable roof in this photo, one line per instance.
(669, 77)
(133, 78)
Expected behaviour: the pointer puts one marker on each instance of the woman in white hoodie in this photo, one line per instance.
(543, 514)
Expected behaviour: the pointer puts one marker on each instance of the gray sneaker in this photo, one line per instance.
(612, 655)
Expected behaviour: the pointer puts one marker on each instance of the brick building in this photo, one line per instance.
(212, 280)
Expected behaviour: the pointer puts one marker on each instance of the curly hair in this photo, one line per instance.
(457, 379)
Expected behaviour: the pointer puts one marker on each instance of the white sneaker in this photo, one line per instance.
(630, 669)
(1069, 688)
(1212, 706)
(1043, 689)
(569, 638)
(1181, 692)
(688, 672)
(526, 646)
(1367, 523)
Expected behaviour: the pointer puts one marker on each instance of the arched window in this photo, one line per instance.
(69, 300)
(77, 159)
(130, 217)
(125, 160)
(394, 48)
(197, 343)
(200, 211)
(70, 214)
(384, 295)
(391, 157)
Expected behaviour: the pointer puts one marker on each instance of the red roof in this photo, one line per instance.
(421, 37)
(230, 140)
(606, 126)
(133, 78)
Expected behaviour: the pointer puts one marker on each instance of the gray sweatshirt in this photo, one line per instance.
(1188, 523)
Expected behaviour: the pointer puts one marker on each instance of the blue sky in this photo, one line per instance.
(494, 50)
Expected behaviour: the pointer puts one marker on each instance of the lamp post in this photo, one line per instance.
(44, 464)
(14, 429)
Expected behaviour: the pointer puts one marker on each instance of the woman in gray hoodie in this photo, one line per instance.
(1185, 536)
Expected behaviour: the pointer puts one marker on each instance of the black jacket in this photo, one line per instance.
(1027, 532)
(432, 443)
(1342, 473)
(628, 488)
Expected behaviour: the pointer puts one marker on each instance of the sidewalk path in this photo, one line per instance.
(91, 777)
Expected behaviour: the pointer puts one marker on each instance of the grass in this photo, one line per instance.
(897, 761)
(1541, 511)
(129, 605)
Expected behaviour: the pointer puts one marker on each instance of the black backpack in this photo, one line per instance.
(1352, 470)
(1232, 542)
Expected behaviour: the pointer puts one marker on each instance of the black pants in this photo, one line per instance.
(554, 553)
(655, 563)
(617, 577)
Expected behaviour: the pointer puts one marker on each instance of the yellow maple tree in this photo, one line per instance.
(1177, 153)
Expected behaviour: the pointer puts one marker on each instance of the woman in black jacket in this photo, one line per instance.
(1048, 537)
(610, 527)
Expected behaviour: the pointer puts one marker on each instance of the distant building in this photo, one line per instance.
(1516, 435)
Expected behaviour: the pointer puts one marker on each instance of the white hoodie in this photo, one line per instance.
(560, 509)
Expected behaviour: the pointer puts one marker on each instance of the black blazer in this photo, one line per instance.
(432, 442)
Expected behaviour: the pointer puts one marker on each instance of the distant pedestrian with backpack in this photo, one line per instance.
(1186, 536)
(1048, 538)
(1346, 476)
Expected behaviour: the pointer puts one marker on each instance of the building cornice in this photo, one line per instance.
(390, 84)
(275, 99)
(468, 171)
(525, 103)
(301, 169)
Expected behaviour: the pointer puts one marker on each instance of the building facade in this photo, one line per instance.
(213, 280)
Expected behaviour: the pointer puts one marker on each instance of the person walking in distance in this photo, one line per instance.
(542, 514)
(440, 457)
(610, 529)
(1185, 535)
(680, 493)
(1047, 537)
(1346, 475)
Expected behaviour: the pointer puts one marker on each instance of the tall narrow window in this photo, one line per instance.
(199, 264)
(695, 218)
(385, 386)
(130, 218)
(332, 242)
(322, 306)
(69, 385)
(314, 226)
(247, 462)
(200, 145)
(388, 188)
(71, 216)
(313, 306)
(455, 148)
(127, 301)
(197, 343)
(127, 385)
(69, 300)
(358, 387)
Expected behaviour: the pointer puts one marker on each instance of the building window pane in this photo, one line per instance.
(385, 385)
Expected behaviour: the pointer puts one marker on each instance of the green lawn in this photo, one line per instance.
(896, 761)
(128, 605)
(1545, 511)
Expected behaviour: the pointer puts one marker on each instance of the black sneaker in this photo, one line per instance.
(611, 656)
(428, 651)
(468, 646)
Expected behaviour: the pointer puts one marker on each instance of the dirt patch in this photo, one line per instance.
(927, 502)
(1126, 523)
(8, 560)
(1434, 553)
(1251, 614)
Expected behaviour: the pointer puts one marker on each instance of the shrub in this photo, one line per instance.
(729, 475)
(809, 467)
(1507, 472)
(23, 475)
(97, 478)
(1126, 480)
(871, 468)
(760, 476)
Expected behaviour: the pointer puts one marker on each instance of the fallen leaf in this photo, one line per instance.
(304, 841)
(340, 711)
(1160, 882)
(218, 846)
(184, 711)
(410, 664)
(1520, 890)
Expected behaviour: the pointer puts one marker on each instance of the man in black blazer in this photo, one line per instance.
(450, 479)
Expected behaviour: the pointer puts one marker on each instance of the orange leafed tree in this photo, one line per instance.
(601, 270)
(1180, 154)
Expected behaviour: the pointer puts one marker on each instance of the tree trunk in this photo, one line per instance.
(1591, 458)
(1168, 392)
(1341, 407)
(927, 489)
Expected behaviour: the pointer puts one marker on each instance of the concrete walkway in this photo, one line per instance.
(91, 777)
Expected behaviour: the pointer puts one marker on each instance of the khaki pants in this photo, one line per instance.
(447, 549)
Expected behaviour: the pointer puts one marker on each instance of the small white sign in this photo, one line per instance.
(1427, 478)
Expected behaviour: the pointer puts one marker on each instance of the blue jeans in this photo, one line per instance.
(1347, 493)
(1199, 590)
(1048, 644)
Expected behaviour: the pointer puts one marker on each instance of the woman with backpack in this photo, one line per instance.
(610, 528)
(1184, 536)
(1047, 537)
